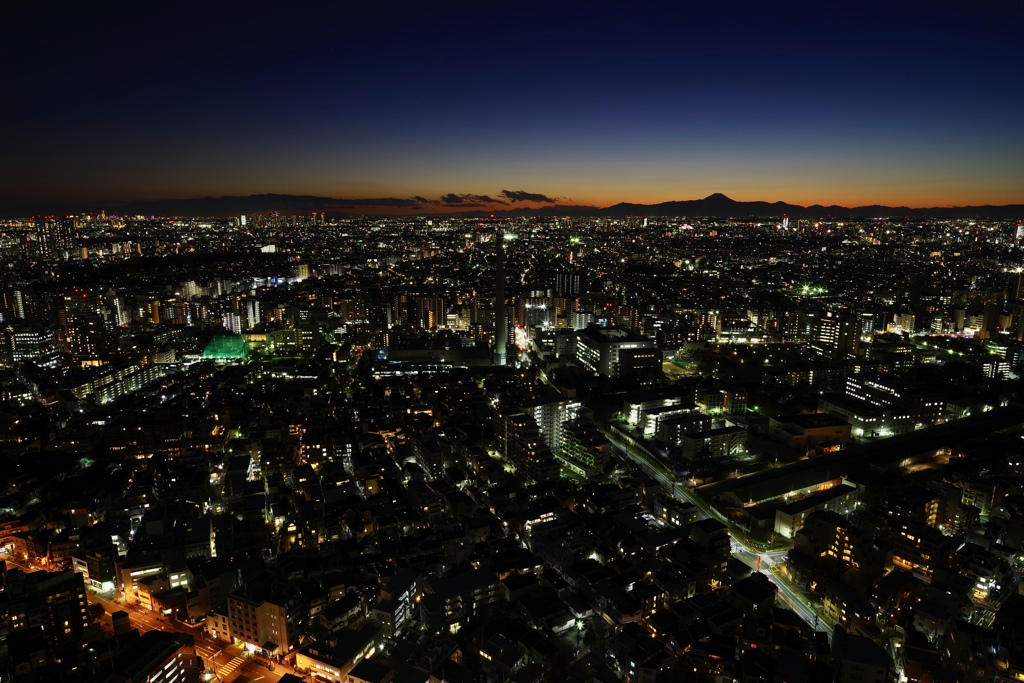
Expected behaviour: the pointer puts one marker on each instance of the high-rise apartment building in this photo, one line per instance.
(55, 238)
(82, 325)
(1015, 285)
(519, 439)
(51, 602)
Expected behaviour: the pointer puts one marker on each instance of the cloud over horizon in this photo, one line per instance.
(268, 202)
(470, 200)
(524, 196)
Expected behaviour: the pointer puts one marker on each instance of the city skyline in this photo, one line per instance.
(497, 206)
(592, 342)
(407, 436)
(899, 105)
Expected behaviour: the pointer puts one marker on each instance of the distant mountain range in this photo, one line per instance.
(716, 205)
(721, 206)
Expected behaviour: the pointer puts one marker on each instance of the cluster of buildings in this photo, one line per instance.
(450, 450)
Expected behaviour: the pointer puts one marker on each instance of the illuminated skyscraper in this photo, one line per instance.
(252, 312)
(24, 343)
(1015, 285)
(82, 325)
(55, 238)
(567, 282)
(232, 322)
(500, 317)
(833, 335)
(12, 304)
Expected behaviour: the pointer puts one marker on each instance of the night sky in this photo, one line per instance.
(900, 103)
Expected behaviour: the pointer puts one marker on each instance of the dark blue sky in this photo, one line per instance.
(916, 103)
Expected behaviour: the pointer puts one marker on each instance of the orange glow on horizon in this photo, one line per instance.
(602, 195)
(895, 200)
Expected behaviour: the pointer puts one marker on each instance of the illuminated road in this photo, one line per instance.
(799, 604)
(229, 662)
(763, 562)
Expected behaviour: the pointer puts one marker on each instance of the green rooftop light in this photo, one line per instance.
(226, 347)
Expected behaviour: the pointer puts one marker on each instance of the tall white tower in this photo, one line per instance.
(500, 319)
